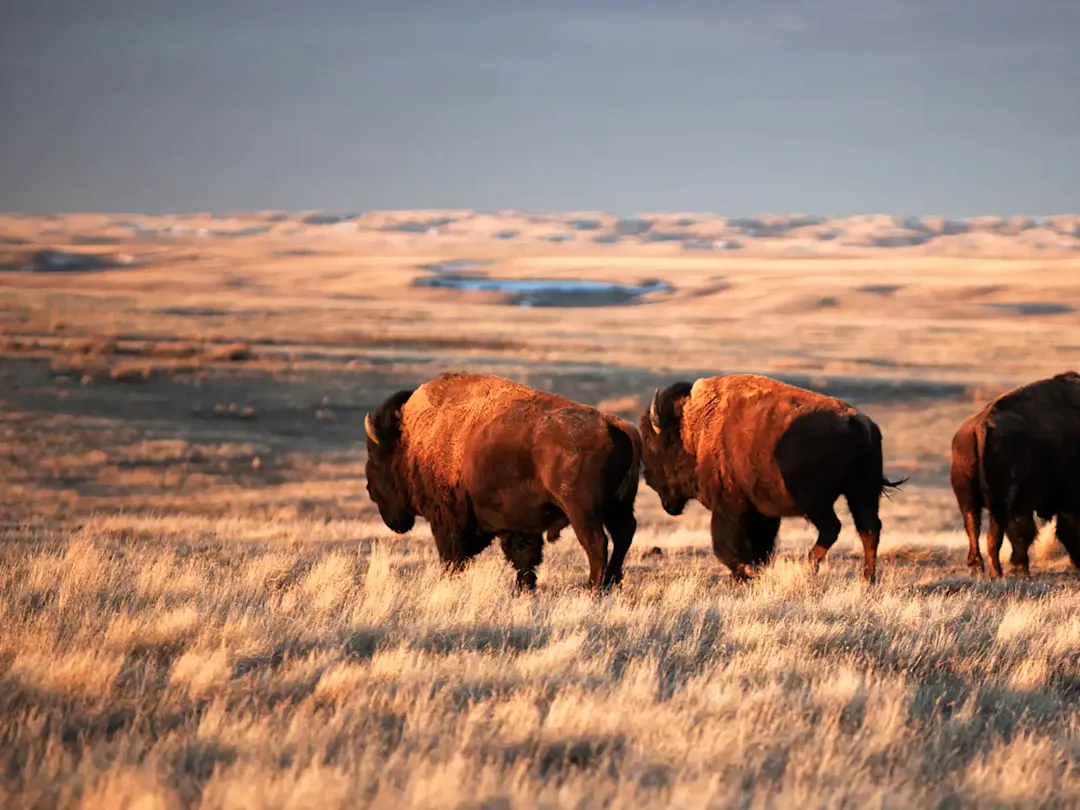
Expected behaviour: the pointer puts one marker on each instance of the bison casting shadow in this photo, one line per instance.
(1019, 457)
(481, 457)
(753, 450)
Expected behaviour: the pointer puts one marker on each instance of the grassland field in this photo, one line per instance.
(201, 608)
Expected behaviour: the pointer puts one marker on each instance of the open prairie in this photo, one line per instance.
(201, 607)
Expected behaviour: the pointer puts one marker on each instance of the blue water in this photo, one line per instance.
(1033, 308)
(528, 292)
(456, 266)
(534, 292)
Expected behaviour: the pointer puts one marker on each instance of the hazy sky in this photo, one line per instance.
(731, 106)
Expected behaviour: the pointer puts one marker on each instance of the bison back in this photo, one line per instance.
(746, 431)
(444, 418)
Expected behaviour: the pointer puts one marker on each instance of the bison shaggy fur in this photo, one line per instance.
(1018, 457)
(481, 457)
(754, 450)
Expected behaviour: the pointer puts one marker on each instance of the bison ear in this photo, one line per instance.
(654, 411)
(369, 429)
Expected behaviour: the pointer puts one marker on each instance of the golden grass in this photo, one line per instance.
(177, 662)
(198, 643)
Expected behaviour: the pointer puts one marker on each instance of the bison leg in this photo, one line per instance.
(826, 522)
(1068, 534)
(457, 538)
(729, 538)
(556, 528)
(972, 525)
(761, 532)
(968, 498)
(864, 506)
(524, 551)
(995, 532)
(590, 533)
(621, 525)
(1022, 533)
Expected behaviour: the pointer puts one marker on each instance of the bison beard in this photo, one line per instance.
(1018, 457)
(482, 457)
(754, 450)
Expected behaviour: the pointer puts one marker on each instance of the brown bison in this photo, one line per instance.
(1018, 457)
(754, 450)
(481, 457)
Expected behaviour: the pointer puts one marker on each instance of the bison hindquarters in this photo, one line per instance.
(823, 456)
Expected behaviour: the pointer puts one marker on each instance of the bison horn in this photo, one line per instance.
(654, 411)
(369, 428)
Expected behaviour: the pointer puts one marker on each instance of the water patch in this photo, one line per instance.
(328, 218)
(880, 289)
(66, 261)
(251, 230)
(711, 244)
(1033, 308)
(95, 239)
(534, 292)
(664, 236)
(192, 312)
(419, 226)
(904, 239)
(457, 265)
(632, 226)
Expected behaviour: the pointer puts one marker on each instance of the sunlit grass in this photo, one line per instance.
(174, 663)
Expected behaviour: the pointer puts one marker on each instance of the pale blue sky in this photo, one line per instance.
(834, 107)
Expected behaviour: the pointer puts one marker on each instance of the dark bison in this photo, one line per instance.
(754, 450)
(481, 457)
(1018, 457)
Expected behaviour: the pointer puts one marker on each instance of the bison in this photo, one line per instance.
(481, 457)
(753, 450)
(1018, 457)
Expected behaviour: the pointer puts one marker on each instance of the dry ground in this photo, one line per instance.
(201, 609)
(249, 663)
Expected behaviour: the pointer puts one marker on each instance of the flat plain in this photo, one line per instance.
(201, 607)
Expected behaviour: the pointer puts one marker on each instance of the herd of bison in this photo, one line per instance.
(481, 457)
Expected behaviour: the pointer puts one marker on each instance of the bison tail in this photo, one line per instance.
(627, 451)
(981, 435)
(872, 434)
(887, 485)
(1009, 464)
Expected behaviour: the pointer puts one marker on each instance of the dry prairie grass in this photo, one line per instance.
(198, 662)
(263, 646)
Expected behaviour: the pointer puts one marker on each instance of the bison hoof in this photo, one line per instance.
(611, 582)
(740, 574)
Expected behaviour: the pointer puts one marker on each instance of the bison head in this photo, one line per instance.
(669, 468)
(386, 484)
